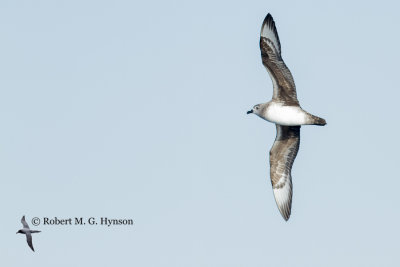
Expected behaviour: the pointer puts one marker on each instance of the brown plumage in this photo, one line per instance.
(281, 158)
(284, 87)
(284, 110)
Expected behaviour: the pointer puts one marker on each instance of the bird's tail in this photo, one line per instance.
(314, 120)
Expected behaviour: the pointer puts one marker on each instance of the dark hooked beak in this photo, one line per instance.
(250, 111)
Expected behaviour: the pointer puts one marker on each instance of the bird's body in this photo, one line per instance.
(285, 111)
(281, 114)
(28, 232)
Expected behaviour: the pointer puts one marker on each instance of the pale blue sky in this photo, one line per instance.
(137, 110)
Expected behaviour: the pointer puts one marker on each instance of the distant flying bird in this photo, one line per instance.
(284, 110)
(27, 232)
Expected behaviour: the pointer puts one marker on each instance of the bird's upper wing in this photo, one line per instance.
(29, 240)
(284, 87)
(24, 222)
(281, 157)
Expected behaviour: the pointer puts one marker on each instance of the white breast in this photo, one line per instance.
(285, 115)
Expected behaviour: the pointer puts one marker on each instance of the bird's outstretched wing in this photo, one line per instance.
(24, 222)
(282, 79)
(29, 240)
(281, 158)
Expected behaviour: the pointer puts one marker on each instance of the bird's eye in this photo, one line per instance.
(257, 108)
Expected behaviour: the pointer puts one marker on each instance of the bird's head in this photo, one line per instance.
(257, 109)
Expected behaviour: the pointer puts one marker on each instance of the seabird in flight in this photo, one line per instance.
(27, 232)
(284, 110)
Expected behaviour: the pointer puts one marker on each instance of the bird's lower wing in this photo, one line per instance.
(29, 240)
(281, 158)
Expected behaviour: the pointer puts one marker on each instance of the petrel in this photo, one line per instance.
(284, 110)
(27, 232)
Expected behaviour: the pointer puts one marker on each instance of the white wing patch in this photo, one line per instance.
(283, 196)
(268, 31)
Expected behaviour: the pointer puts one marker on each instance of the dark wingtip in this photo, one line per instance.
(286, 215)
(268, 18)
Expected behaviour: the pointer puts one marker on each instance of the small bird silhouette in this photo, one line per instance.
(27, 232)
